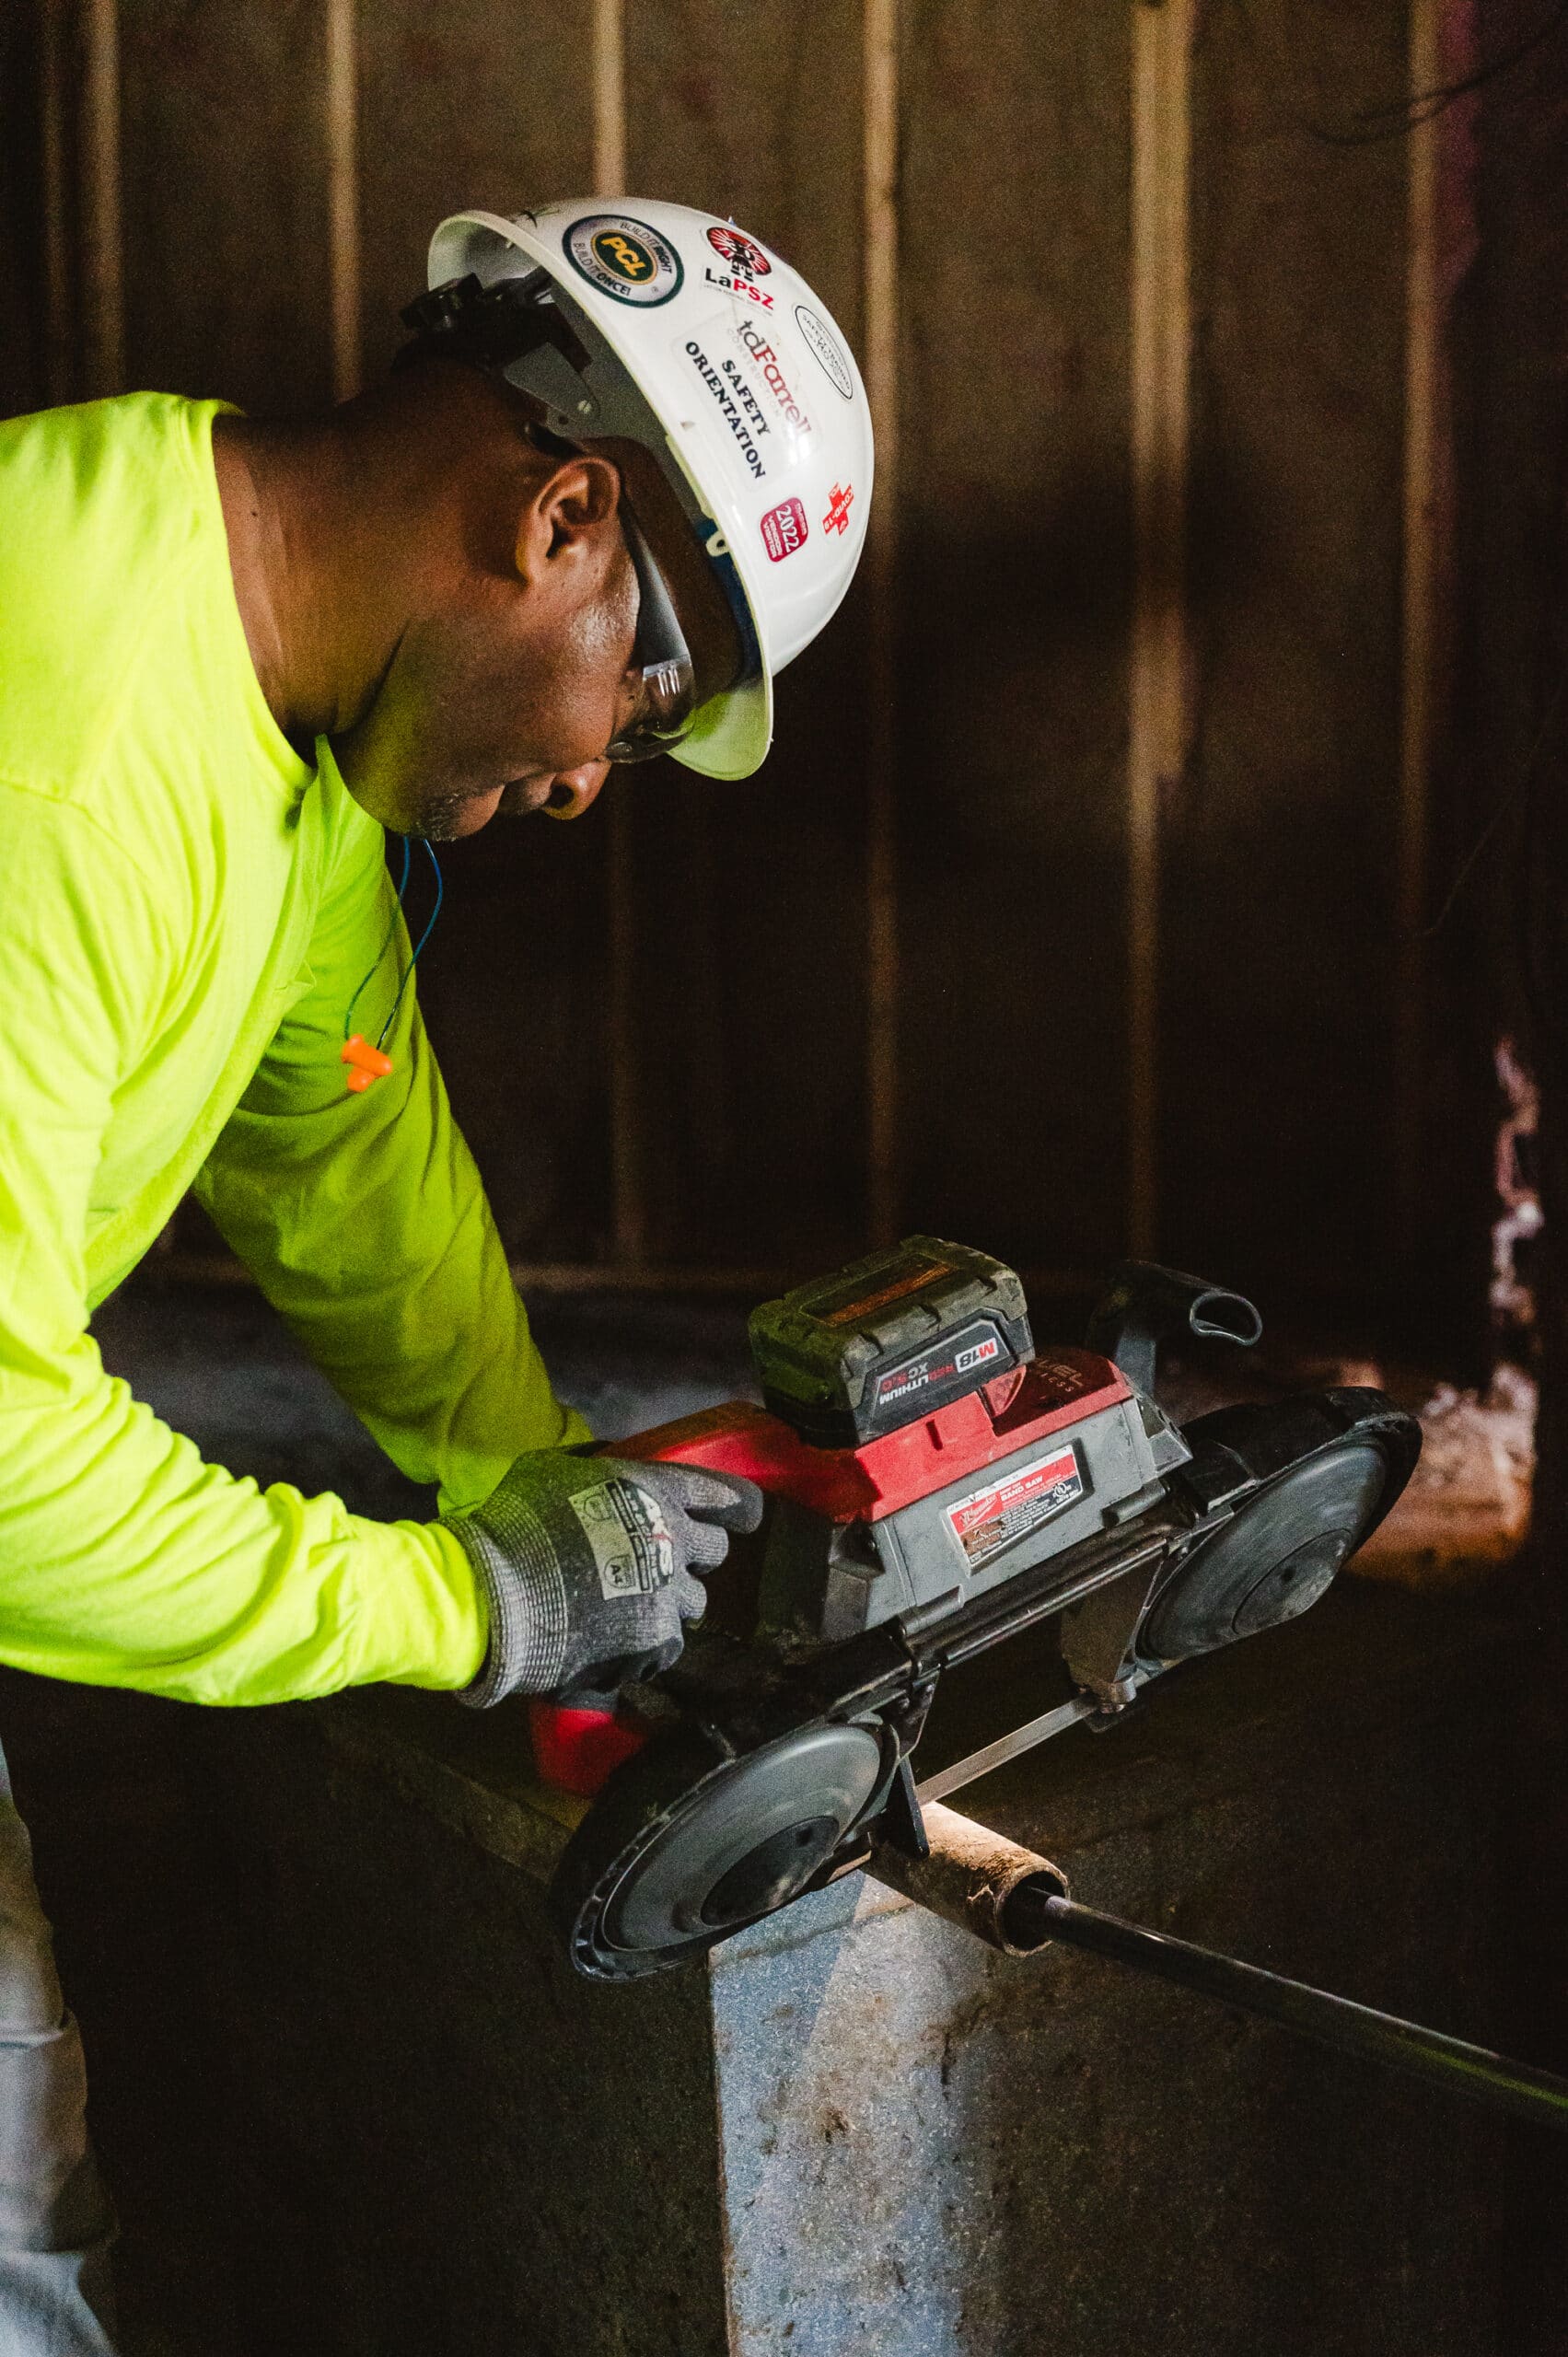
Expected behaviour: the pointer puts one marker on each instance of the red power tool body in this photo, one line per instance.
(935, 1488)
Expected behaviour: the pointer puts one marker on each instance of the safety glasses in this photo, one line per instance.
(661, 661)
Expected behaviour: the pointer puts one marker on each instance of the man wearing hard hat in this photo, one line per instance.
(618, 479)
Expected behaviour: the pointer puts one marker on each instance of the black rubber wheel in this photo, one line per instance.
(1274, 1559)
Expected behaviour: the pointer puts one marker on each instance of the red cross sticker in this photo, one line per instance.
(839, 502)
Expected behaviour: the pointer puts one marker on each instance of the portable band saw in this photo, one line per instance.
(936, 1490)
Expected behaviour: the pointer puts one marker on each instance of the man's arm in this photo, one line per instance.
(364, 1220)
(124, 1559)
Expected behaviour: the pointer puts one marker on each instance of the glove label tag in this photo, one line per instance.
(630, 1539)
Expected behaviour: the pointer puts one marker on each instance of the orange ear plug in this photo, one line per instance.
(366, 1064)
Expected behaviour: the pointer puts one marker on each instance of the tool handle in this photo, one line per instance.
(1035, 1913)
(580, 1739)
(1148, 1305)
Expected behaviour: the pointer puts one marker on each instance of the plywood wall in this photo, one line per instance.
(657, 1027)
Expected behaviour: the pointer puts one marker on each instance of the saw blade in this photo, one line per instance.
(937, 1786)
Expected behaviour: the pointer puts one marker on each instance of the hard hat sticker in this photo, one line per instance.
(624, 258)
(745, 263)
(753, 339)
(824, 347)
(742, 254)
(840, 499)
(785, 529)
(737, 404)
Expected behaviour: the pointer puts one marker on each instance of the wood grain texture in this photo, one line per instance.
(1279, 869)
(1017, 580)
(750, 897)
(224, 200)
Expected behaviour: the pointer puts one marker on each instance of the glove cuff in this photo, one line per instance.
(528, 1621)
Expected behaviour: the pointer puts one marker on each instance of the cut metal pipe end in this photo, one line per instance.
(972, 1878)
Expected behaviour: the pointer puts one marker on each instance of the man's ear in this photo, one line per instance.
(562, 521)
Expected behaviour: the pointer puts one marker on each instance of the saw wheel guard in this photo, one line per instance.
(692, 1840)
(687, 1844)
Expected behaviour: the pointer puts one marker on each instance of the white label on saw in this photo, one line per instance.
(630, 1537)
(1015, 1503)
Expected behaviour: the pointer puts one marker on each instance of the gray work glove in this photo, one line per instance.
(586, 1564)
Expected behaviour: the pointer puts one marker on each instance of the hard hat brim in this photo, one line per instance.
(732, 732)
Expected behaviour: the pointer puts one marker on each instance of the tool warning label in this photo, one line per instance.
(991, 1518)
(632, 1546)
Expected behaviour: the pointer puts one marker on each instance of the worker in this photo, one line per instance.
(617, 479)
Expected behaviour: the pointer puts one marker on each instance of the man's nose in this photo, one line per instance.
(575, 789)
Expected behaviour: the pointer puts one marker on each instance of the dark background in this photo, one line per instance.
(739, 954)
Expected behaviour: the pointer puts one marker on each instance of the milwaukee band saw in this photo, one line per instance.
(938, 1491)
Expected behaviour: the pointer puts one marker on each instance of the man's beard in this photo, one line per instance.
(440, 818)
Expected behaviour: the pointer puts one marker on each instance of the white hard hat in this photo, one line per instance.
(679, 331)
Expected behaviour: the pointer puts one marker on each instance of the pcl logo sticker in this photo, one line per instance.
(785, 529)
(624, 258)
(739, 253)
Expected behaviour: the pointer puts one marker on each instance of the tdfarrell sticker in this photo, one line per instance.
(754, 340)
(783, 529)
(826, 349)
(632, 1546)
(624, 258)
(990, 1519)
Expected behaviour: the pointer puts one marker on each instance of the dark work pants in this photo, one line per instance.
(55, 2221)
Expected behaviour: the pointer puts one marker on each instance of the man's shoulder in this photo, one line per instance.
(101, 513)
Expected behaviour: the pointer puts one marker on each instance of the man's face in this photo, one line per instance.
(504, 694)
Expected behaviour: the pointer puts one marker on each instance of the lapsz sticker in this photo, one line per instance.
(737, 251)
(825, 348)
(624, 258)
(785, 529)
(632, 1546)
(1008, 1509)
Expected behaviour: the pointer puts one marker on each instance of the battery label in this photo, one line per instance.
(942, 1364)
(991, 1518)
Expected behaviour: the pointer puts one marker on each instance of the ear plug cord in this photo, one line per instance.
(369, 1063)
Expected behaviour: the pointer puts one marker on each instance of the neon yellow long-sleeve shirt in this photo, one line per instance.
(186, 910)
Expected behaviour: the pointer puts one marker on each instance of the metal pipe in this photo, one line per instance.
(1035, 1913)
(1021, 1903)
(969, 1877)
